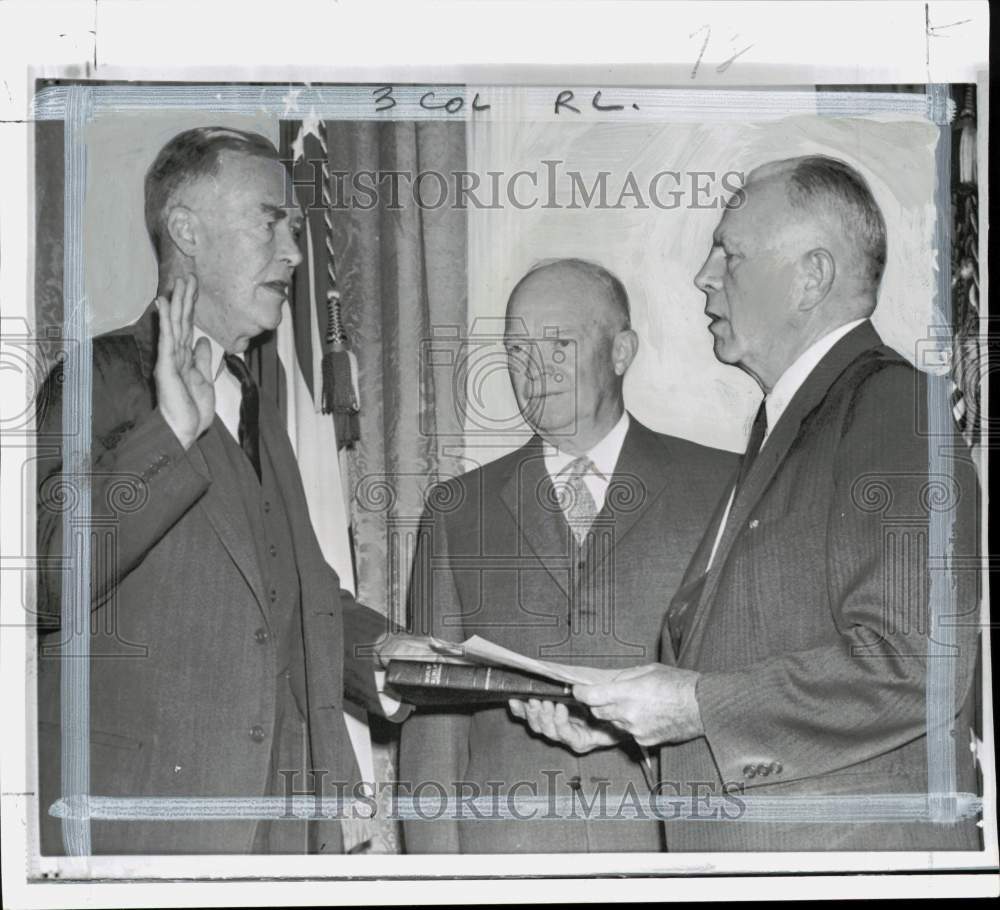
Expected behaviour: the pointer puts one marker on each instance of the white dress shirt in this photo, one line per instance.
(603, 458)
(781, 395)
(228, 395)
(792, 379)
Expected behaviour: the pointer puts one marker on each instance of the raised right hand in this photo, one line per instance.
(184, 388)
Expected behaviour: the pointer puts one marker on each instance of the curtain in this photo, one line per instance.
(401, 272)
(402, 276)
(967, 358)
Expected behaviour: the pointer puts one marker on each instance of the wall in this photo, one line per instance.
(120, 270)
(676, 385)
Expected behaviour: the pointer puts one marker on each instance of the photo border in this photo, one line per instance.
(80, 103)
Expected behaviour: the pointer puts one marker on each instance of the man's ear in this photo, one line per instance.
(623, 350)
(819, 272)
(183, 229)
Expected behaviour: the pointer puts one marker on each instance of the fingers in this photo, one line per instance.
(541, 718)
(608, 714)
(607, 702)
(536, 714)
(594, 695)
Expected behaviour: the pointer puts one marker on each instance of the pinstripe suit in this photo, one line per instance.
(185, 631)
(810, 628)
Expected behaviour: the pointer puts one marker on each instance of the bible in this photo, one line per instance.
(440, 683)
(428, 671)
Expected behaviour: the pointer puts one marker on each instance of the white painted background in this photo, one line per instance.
(675, 384)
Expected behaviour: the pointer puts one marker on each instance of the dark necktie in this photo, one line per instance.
(686, 600)
(756, 440)
(249, 432)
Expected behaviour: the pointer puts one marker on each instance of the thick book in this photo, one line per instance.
(434, 683)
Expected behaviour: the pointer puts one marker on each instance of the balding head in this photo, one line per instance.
(600, 287)
(569, 343)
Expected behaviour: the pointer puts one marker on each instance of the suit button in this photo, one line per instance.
(257, 733)
(763, 770)
(261, 635)
(574, 782)
(754, 524)
(749, 771)
(273, 550)
(272, 595)
(777, 767)
(267, 505)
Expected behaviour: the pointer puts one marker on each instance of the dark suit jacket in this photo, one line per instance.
(181, 669)
(811, 629)
(494, 559)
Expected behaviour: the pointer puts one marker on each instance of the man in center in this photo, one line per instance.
(566, 549)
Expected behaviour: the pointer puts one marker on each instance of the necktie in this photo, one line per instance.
(577, 503)
(249, 431)
(683, 606)
(754, 443)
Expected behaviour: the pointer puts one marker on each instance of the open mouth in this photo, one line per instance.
(279, 287)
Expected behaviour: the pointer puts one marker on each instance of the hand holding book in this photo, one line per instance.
(429, 671)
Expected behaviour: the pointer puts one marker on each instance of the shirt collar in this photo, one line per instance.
(792, 379)
(218, 352)
(604, 455)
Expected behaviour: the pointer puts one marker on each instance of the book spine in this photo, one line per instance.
(473, 679)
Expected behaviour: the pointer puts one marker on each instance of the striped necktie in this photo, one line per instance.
(577, 503)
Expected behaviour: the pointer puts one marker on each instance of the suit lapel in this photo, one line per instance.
(226, 512)
(223, 504)
(639, 480)
(530, 498)
(783, 436)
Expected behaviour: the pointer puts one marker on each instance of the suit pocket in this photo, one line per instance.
(118, 763)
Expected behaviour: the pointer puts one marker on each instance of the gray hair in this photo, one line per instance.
(188, 156)
(824, 184)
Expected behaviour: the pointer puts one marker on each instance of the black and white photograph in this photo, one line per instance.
(420, 472)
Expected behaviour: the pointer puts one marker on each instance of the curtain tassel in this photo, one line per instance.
(340, 377)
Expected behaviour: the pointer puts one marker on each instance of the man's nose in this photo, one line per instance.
(290, 251)
(709, 277)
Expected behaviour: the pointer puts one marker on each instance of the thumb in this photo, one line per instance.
(635, 672)
(165, 343)
(203, 358)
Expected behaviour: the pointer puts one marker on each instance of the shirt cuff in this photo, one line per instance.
(392, 708)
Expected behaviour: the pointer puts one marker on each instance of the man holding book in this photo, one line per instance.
(827, 630)
(565, 550)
